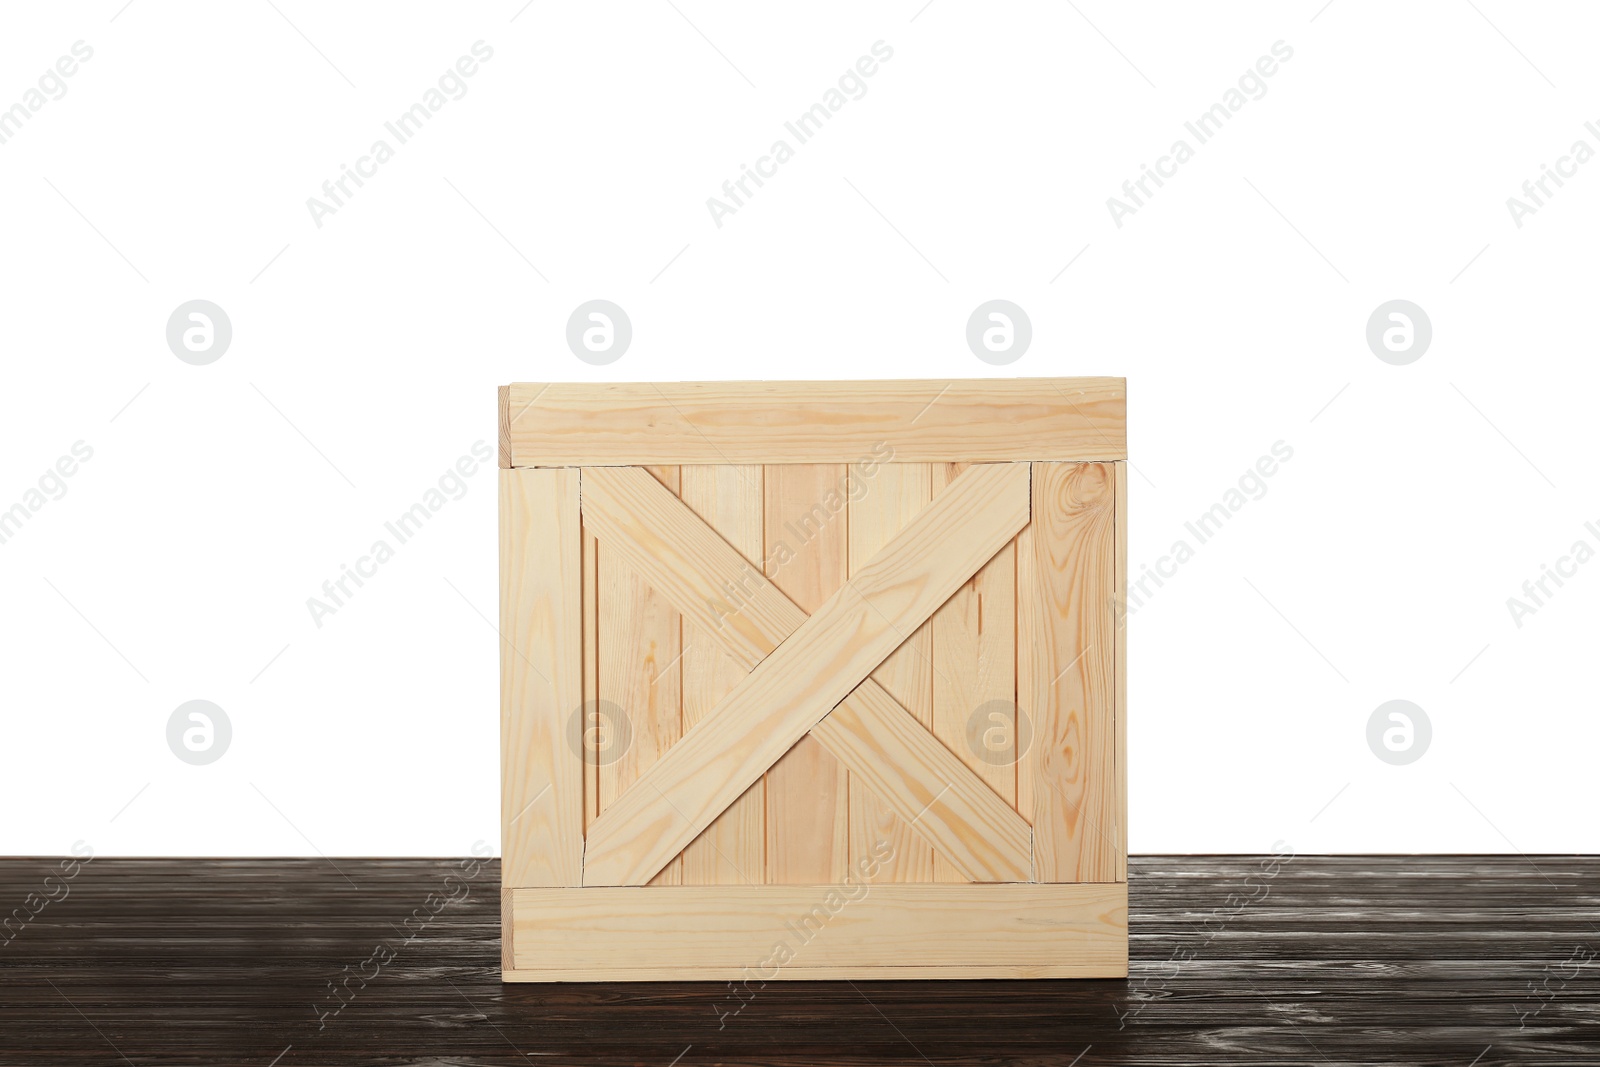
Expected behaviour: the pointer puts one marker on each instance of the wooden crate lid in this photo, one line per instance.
(563, 424)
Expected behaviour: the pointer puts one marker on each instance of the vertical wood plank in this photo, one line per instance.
(640, 672)
(891, 500)
(541, 678)
(806, 552)
(591, 667)
(975, 660)
(1066, 663)
(1120, 595)
(1027, 640)
(731, 851)
(504, 395)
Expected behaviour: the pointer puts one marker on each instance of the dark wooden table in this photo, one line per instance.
(1330, 960)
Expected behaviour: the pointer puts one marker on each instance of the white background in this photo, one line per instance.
(366, 354)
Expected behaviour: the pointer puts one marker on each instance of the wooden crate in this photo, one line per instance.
(813, 680)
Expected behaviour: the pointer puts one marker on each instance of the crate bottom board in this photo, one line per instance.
(778, 932)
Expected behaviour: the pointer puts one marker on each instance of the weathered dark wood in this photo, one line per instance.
(1337, 960)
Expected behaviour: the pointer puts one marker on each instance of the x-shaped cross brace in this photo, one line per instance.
(807, 674)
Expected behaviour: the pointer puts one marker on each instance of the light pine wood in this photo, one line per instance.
(730, 599)
(504, 396)
(926, 421)
(695, 566)
(1120, 595)
(640, 670)
(863, 973)
(819, 605)
(731, 850)
(1026, 627)
(975, 667)
(591, 663)
(806, 557)
(541, 683)
(862, 929)
(886, 506)
(654, 535)
(793, 688)
(909, 774)
(1066, 665)
(929, 793)
(807, 831)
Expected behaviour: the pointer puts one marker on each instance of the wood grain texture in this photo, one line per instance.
(931, 795)
(503, 394)
(591, 664)
(993, 420)
(640, 673)
(929, 798)
(1339, 960)
(1120, 598)
(793, 688)
(975, 674)
(541, 684)
(807, 558)
(1066, 663)
(886, 505)
(731, 851)
(769, 933)
(652, 535)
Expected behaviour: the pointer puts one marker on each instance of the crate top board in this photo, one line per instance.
(566, 424)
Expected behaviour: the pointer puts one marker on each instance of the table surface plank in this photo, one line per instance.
(1329, 960)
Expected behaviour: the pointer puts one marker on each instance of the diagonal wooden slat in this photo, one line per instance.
(789, 691)
(972, 826)
(907, 769)
(680, 556)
